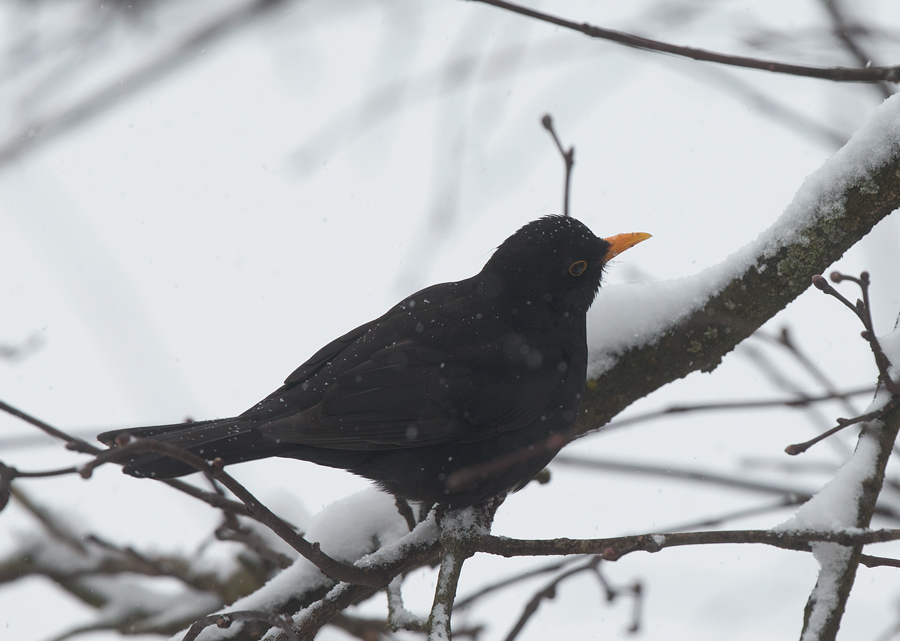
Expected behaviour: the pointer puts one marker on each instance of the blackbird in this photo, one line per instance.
(454, 377)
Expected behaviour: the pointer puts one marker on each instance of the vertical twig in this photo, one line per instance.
(568, 159)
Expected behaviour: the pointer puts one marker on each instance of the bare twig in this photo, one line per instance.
(464, 476)
(863, 311)
(568, 157)
(843, 31)
(549, 592)
(799, 448)
(787, 501)
(827, 601)
(74, 443)
(234, 531)
(225, 621)
(211, 498)
(77, 444)
(801, 402)
(517, 578)
(878, 561)
(834, 74)
(668, 471)
(785, 339)
(264, 515)
(615, 548)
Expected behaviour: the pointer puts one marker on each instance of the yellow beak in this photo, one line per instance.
(621, 242)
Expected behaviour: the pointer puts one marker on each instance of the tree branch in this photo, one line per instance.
(834, 209)
(615, 548)
(835, 74)
(825, 607)
(311, 551)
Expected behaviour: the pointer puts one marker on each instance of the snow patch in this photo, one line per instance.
(347, 530)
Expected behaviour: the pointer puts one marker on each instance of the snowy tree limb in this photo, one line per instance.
(822, 616)
(856, 487)
(836, 206)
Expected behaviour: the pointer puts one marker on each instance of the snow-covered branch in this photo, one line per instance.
(850, 498)
(645, 336)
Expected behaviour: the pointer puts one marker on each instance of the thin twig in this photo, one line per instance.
(834, 74)
(568, 158)
(799, 448)
(787, 501)
(310, 551)
(214, 500)
(863, 311)
(615, 548)
(878, 561)
(517, 578)
(236, 532)
(464, 476)
(800, 402)
(842, 30)
(74, 443)
(549, 592)
(225, 620)
(673, 472)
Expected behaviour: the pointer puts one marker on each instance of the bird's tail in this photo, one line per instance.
(231, 439)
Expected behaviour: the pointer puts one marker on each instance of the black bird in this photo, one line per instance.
(457, 375)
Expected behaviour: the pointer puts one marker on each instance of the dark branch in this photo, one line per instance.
(878, 561)
(863, 311)
(834, 74)
(74, 443)
(799, 448)
(613, 549)
(311, 551)
(225, 621)
(549, 592)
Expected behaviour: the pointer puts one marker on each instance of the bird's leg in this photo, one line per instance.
(459, 531)
(406, 512)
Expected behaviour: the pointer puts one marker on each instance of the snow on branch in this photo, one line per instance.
(849, 499)
(644, 336)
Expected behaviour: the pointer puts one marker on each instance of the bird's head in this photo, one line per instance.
(555, 260)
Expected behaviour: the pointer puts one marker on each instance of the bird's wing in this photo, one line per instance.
(412, 395)
(328, 352)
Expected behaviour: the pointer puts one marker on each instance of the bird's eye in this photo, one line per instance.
(577, 268)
